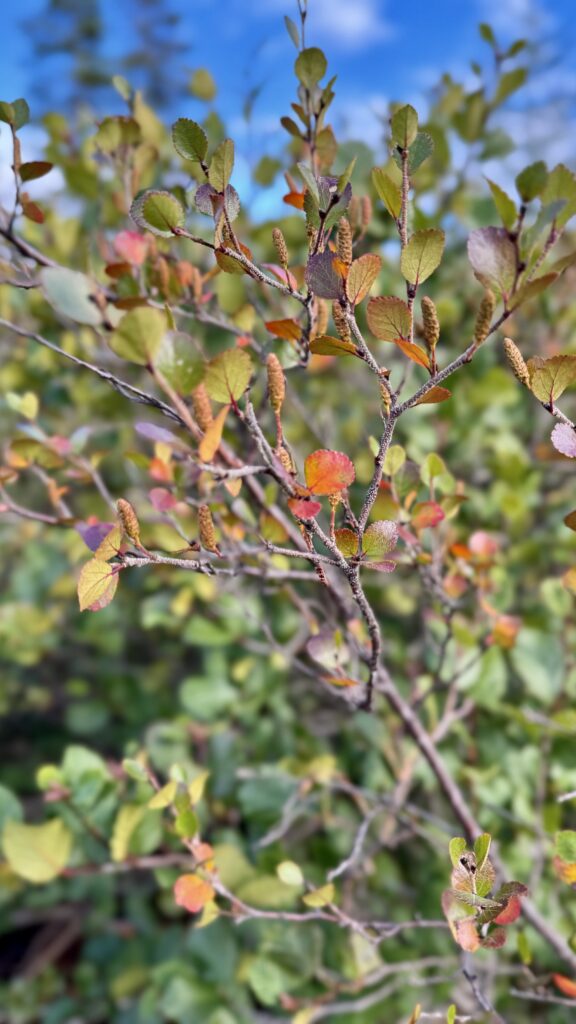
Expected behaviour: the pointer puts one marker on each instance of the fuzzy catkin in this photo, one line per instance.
(340, 322)
(285, 459)
(516, 362)
(366, 211)
(276, 382)
(206, 530)
(202, 407)
(281, 247)
(128, 520)
(344, 241)
(321, 321)
(484, 317)
(431, 324)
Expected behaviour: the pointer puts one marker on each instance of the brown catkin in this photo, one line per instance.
(285, 459)
(206, 530)
(340, 322)
(344, 241)
(128, 520)
(484, 317)
(276, 382)
(281, 247)
(366, 211)
(202, 407)
(354, 213)
(516, 361)
(196, 283)
(431, 324)
(321, 320)
(312, 235)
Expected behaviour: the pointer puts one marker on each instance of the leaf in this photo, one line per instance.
(71, 294)
(561, 185)
(304, 509)
(505, 206)
(320, 897)
(193, 893)
(361, 276)
(482, 848)
(549, 378)
(292, 30)
(414, 352)
(466, 935)
(565, 985)
(132, 247)
(566, 845)
(510, 913)
(509, 82)
(494, 940)
(310, 66)
(228, 375)
(157, 211)
(189, 139)
(325, 275)
(38, 853)
(434, 396)
(451, 1014)
(419, 151)
(531, 181)
(389, 318)
(422, 255)
(343, 681)
(565, 871)
(32, 211)
(289, 330)
(395, 459)
(531, 288)
(328, 472)
(221, 165)
(110, 545)
(34, 169)
(196, 791)
(139, 335)
(161, 499)
(493, 258)
(563, 438)
(97, 585)
(326, 345)
(388, 191)
(178, 363)
(290, 873)
(164, 797)
(425, 514)
(570, 520)
(210, 443)
(404, 125)
(202, 85)
(127, 820)
(346, 542)
(380, 538)
(456, 847)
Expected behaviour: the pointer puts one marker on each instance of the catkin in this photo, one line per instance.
(354, 213)
(321, 318)
(285, 459)
(206, 530)
(128, 520)
(484, 317)
(516, 362)
(366, 211)
(340, 322)
(281, 247)
(202, 407)
(276, 382)
(431, 324)
(344, 241)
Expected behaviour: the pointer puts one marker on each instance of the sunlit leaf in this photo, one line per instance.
(228, 375)
(326, 345)
(565, 985)
(157, 211)
(422, 255)
(389, 318)
(549, 378)
(328, 472)
(380, 539)
(221, 165)
(436, 395)
(289, 330)
(404, 125)
(414, 352)
(210, 443)
(320, 897)
(310, 66)
(388, 191)
(97, 585)
(346, 542)
(361, 276)
(139, 335)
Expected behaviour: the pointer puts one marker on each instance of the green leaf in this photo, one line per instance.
(139, 335)
(122, 86)
(380, 538)
(510, 82)
(71, 293)
(320, 897)
(267, 891)
(178, 363)
(134, 769)
(157, 211)
(420, 150)
(388, 191)
(531, 181)
(310, 66)
(456, 847)
(505, 206)
(395, 459)
(388, 318)
(309, 180)
(10, 807)
(128, 818)
(532, 288)
(202, 85)
(404, 125)
(38, 853)
(566, 845)
(292, 30)
(221, 165)
(21, 113)
(549, 378)
(290, 873)
(346, 542)
(228, 375)
(422, 255)
(346, 175)
(487, 33)
(451, 1014)
(482, 849)
(189, 139)
(7, 114)
(561, 184)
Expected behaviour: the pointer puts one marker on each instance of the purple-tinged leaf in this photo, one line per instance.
(563, 438)
(208, 201)
(154, 433)
(94, 533)
(493, 258)
(324, 275)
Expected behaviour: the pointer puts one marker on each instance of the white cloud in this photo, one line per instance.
(516, 17)
(349, 25)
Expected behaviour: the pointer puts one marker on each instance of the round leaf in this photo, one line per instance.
(38, 853)
(228, 375)
(310, 66)
(158, 212)
(189, 139)
(328, 472)
(139, 335)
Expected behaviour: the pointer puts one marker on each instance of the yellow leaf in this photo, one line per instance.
(197, 787)
(320, 897)
(110, 546)
(127, 820)
(164, 797)
(96, 585)
(210, 443)
(38, 853)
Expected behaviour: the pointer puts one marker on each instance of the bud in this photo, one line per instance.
(281, 247)
(128, 520)
(321, 320)
(276, 382)
(340, 322)
(516, 361)
(206, 529)
(431, 324)
(484, 317)
(366, 211)
(285, 459)
(202, 407)
(344, 241)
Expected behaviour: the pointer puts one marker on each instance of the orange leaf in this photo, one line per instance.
(341, 681)
(192, 892)
(289, 330)
(33, 212)
(426, 513)
(466, 934)
(566, 985)
(414, 352)
(511, 911)
(435, 395)
(565, 870)
(295, 199)
(328, 472)
(210, 443)
(361, 276)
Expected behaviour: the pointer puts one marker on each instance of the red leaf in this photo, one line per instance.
(33, 212)
(495, 939)
(426, 513)
(295, 199)
(566, 985)
(304, 509)
(466, 935)
(289, 330)
(192, 892)
(280, 273)
(328, 472)
(511, 911)
(161, 499)
(132, 247)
